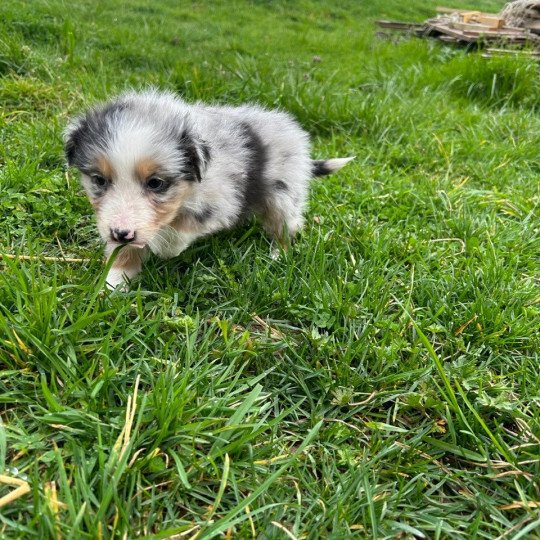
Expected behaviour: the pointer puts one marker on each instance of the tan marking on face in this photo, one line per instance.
(105, 167)
(166, 212)
(145, 168)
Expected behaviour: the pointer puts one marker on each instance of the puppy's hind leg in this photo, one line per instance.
(282, 221)
(280, 228)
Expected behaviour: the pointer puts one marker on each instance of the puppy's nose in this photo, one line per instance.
(123, 235)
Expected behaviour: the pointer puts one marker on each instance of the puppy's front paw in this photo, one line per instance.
(116, 280)
(126, 266)
(275, 253)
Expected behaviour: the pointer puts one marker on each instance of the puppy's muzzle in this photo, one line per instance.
(124, 236)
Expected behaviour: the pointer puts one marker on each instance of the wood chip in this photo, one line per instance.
(398, 25)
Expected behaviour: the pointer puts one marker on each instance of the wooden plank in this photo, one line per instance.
(514, 52)
(399, 25)
(513, 28)
(472, 27)
(443, 29)
(504, 32)
(469, 26)
(487, 33)
(492, 21)
(468, 15)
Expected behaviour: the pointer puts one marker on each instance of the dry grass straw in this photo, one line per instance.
(520, 12)
(21, 489)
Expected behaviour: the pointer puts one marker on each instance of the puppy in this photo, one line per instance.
(160, 173)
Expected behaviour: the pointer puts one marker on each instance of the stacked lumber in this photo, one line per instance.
(472, 26)
(467, 27)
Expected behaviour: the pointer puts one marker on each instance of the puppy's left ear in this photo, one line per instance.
(72, 139)
(196, 156)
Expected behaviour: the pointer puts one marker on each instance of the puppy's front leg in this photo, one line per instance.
(126, 266)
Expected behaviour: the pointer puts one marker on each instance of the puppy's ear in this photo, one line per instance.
(73, 135)
(196, 156)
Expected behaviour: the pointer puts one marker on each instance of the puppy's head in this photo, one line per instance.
(139, 159)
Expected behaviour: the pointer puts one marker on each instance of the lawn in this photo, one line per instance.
(380, 380)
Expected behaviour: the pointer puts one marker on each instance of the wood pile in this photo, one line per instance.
(468, 27)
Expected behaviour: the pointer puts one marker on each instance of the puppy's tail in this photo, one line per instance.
(322, 167)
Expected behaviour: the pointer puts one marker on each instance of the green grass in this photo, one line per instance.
(382, 380)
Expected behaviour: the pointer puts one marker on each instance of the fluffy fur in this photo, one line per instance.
(161, 173)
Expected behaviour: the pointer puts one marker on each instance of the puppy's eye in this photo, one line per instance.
(99, 181)
(155, 183)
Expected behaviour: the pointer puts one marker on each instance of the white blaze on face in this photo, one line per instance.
(126, 206)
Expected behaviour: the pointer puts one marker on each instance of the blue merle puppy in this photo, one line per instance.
(161, 173)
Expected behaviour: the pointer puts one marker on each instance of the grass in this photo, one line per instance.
(382, 380)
